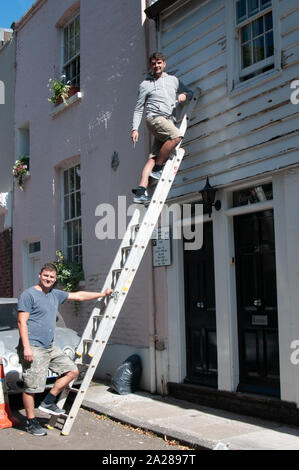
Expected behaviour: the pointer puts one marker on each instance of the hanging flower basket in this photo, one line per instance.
(72, 91)
(61, 90)
(20, 170)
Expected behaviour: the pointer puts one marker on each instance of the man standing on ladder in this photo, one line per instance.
(158, 94)
(37, 310)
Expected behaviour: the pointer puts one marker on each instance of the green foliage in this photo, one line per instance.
(20, 169)
(69, 274)
(59, 88)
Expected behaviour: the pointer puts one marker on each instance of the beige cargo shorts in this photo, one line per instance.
(162, 129)
(35, 373)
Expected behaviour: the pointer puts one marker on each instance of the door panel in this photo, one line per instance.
(201, 341)
(257, 303)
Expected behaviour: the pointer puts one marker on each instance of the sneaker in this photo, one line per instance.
(156, 174)
(35, 428)
(142, 199)
(51, 409)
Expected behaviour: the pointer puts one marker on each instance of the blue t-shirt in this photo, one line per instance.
(43, 310)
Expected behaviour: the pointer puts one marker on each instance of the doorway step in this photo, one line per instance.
(260, 406)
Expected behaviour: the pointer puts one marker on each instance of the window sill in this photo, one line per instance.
(70, 101)
(242, 87)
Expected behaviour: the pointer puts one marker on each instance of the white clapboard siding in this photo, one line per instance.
(290, 21)
(251, 129)
(245, 116)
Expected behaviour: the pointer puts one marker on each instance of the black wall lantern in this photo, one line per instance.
(208, 194)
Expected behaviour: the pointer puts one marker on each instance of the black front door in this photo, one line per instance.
(200, 311)
(257, 304)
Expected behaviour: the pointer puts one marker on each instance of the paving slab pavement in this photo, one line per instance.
(198, 426)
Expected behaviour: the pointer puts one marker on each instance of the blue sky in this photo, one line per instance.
(13, 10)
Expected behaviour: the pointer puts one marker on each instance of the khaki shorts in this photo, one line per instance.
(162, 129)
(35, 372)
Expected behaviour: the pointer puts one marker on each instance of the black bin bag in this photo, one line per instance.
(127, 376)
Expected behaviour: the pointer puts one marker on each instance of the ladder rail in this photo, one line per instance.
(108, 282)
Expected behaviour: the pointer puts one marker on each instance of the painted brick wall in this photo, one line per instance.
(6, 289)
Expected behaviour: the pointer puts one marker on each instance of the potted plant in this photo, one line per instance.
(20, 170)
(69, 274)
(61, 90)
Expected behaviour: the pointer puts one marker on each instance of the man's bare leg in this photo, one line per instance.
(166, 150)
(146, 172)
(63, 381)
(28, 401)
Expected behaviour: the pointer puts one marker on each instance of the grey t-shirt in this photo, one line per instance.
(43, 310)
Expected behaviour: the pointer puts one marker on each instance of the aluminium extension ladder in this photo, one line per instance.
(120, 277)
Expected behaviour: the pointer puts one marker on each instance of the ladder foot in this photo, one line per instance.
(64, 433)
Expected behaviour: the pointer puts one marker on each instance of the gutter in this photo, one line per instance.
(157, 7)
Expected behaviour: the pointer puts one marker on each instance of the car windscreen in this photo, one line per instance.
(8, 316)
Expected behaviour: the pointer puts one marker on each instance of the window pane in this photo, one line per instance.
(76, 232)
(258, 49)
(72, 48)
(77, 257)
(80, 254)
(66, 45)
(246, 55)
(78, 204)
(66, 208)
(73, 211)
(246, 33)
(80, 231)
(268, 22)
(78, 179)
(265, 4)
(253, 7)
(72, 179)
(241, 10)
(257, 27)
(66, 182)
(269, 44)
(72, 31)
(77, 25)
(77, 44)
(69, 234)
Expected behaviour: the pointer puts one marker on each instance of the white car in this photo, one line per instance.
(65, 338)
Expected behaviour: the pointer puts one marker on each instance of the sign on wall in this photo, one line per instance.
(161, 247)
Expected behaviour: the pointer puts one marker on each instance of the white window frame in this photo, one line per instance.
(65, 63)
(65, 221)
(234, 51)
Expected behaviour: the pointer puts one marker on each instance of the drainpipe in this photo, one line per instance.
(152, 327)
(150, 277)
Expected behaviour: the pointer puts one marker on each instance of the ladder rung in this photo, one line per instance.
(87, 340)
(97, 317)
(116, 271)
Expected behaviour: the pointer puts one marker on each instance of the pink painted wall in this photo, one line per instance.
(113, 62)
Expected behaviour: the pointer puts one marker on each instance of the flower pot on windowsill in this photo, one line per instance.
(72, 91)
